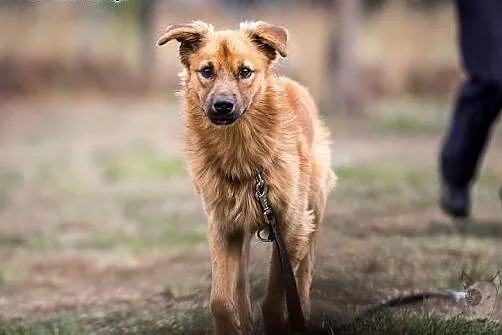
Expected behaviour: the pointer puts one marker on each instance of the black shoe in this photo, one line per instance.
(456, 202)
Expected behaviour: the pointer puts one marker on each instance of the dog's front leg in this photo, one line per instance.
(273, 305)
(243, 289)
(298, 241)
(226, 255)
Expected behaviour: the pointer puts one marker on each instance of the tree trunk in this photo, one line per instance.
(147, 8)
(344, 67)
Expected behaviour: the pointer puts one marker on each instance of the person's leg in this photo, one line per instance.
(478, 105)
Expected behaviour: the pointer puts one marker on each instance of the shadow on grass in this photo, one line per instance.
(474, 228)
(480, 229)
(403, 323)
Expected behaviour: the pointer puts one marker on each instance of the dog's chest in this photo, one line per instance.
(233, 205)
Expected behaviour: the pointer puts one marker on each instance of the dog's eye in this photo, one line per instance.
(245, 72)
(207, 71)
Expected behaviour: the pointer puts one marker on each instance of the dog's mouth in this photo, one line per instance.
(224, 120)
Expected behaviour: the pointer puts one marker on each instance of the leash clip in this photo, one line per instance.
(261, 191)
(268, 238)
(261, 196)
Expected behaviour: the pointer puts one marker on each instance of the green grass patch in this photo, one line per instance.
(156, 233)
(409, 116)
(60, 176)
(151, 322)
(389, 183)
(162, 237)
(197, 320)
(10, 180)
(488, 178)
(409, 123)
(53, 327)
(391, 173)
(156, 209)
(422, 324)
(137, 163)
(384, 173)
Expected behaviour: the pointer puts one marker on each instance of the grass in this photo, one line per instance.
(137, 163)
(198, 321)
(166, 233)
(104, 223)
(167, 237)
(386, 183)
(408, 123)
(46, 328)
(410, 116)
(383, 174)
(404, 323)
(402, 183)
(134, 321)
(11, 241)
(9, 182)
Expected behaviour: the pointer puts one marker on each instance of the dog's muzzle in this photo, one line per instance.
(223, 110)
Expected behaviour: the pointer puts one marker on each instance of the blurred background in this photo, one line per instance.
(371, 49)
(99, 226)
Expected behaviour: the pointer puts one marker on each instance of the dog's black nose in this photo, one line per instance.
(223, 106)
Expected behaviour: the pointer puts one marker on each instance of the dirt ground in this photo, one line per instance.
(98, 216)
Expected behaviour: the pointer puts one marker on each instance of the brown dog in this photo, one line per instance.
(240, 115)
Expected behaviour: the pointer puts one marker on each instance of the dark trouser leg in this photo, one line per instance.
(478, 105)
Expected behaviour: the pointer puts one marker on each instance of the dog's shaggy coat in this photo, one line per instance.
(276, 128)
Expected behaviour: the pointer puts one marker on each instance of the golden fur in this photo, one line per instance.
(280, 131)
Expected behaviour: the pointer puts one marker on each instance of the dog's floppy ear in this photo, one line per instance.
(270, 38)
(190, 36)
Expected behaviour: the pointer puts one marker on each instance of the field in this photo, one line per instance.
(103, 234)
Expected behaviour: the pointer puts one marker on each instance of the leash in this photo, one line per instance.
(296, 318)
(295, 313)
(471, 296)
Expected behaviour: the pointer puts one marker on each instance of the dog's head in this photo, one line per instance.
(226, 68)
